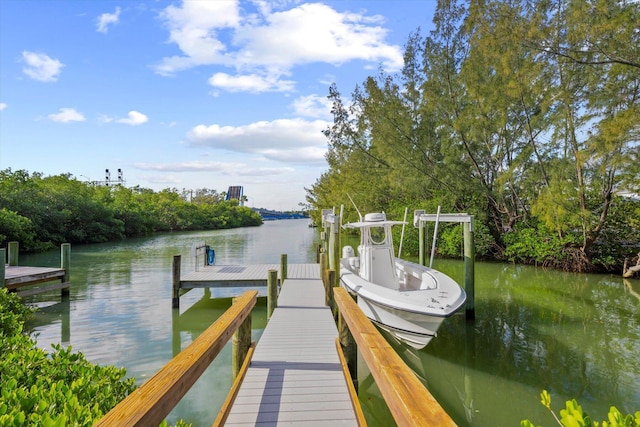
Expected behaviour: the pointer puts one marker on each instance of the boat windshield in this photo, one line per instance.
(377, 235)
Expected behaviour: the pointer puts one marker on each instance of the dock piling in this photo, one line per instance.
(283, 268)
(272, 292)
(13, 253)
(65, 262)
(175, 302)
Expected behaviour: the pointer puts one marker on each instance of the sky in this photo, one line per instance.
(189, 94)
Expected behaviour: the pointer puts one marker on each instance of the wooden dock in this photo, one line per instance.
(299, 373)
(235, 276)
(295, 376)
(16, 278)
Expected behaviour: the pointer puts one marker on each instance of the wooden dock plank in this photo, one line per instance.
(16, 276)
(295, 377)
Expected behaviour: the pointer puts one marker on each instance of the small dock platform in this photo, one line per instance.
(212, 276)
(235, 276)
(295, 376)
(16, 278)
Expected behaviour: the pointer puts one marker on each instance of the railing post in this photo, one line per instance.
(349, 347)
(240, 343)
(469, 270)
(283, 268)
(175, 279)
(65, 262)
(13, 253)
(272, 292)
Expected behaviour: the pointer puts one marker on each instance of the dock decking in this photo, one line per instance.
(17, 277)
(212, 276)
(295, 376)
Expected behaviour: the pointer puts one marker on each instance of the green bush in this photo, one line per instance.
(50, 389)
(574, 416)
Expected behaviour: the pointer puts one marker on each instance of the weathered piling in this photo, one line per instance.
(13, 253)
(272, 292)
(175, 280)
(469, 270)
(283, 268)
(65, 262)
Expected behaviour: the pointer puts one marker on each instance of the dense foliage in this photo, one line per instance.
(525, 114)
(59, 388)
(41, 212)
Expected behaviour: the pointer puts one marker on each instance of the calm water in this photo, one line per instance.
(575, 335)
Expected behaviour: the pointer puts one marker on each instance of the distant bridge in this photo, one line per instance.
(269, 215)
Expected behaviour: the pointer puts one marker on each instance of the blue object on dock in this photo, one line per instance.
(211, 256)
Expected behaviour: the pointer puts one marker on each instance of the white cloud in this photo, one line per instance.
(286, 140)
(264, 45)
(67, 115)
(220, 168)
(134, 118)
(41, 67)
(312, 106)
(193, 27)
(2, 106)
(250, 83)
(107, 19)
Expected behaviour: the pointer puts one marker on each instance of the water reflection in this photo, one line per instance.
(577, 336)
(574, 335)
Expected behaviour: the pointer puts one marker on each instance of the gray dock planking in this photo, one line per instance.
(212, 276)
(295, 376)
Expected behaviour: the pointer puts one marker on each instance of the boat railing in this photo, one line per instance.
(406, 396)
(150, 403)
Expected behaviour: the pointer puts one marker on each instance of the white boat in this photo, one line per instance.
(407, 299)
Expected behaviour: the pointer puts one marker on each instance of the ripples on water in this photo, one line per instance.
(577, 336)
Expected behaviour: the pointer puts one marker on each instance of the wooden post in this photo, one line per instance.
(323, 276)
(240, 343)
(337, 253)
(349, 347)
(13, 253)
(175, 278)
(272, 292)
(283, 268)
(469, 270)
(65, 262)
(331, 278)
(3, 255)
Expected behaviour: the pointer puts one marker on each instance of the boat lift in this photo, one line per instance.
(420, 218)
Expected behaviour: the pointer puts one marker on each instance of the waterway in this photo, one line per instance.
(577, 336)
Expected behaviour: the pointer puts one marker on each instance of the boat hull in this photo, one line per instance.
(414, 329)
(412, 314)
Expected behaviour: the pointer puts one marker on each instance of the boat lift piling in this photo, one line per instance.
(419, 220)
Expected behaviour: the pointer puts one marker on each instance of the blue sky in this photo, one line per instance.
(189, 94)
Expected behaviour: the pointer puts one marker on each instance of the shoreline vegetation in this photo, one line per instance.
(41, 212)
(523, 114)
